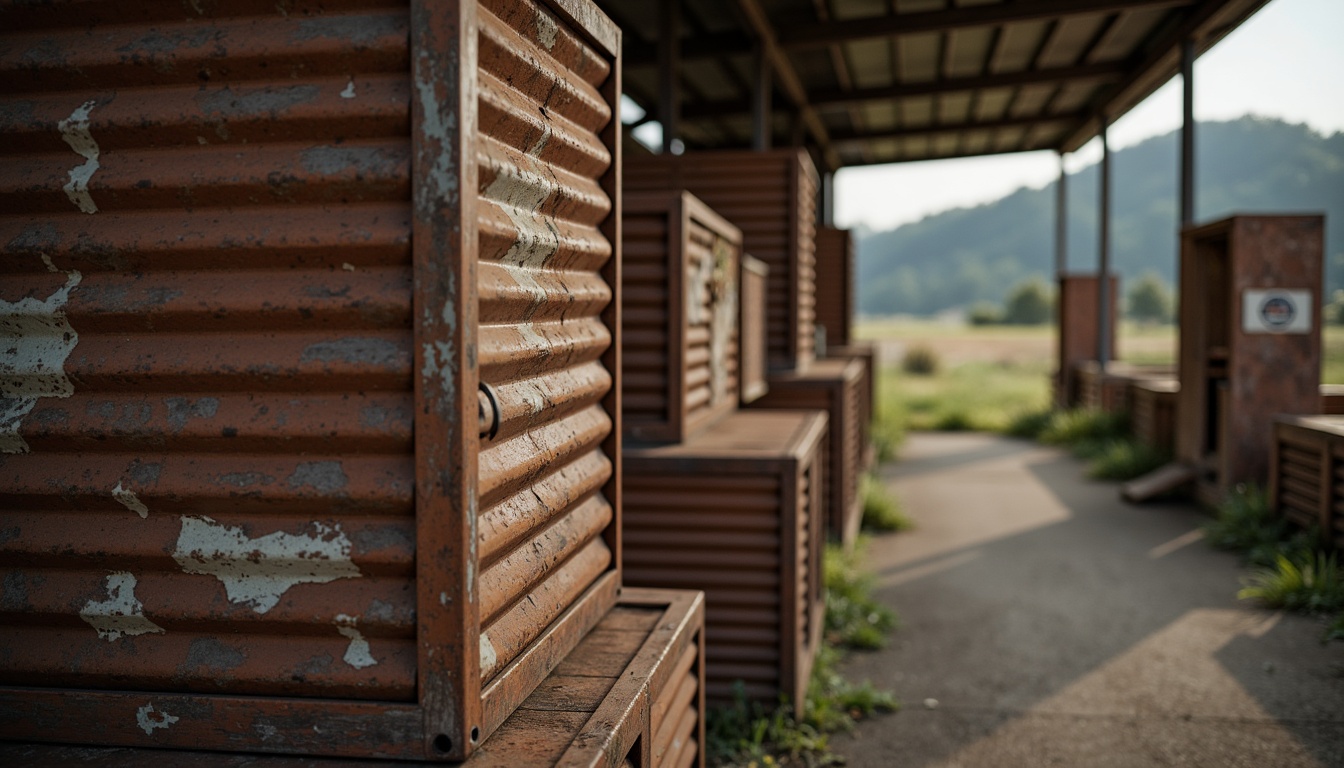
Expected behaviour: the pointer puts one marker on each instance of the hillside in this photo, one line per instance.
(963, 256)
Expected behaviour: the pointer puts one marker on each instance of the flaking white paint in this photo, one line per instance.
(357, 654)
(257, 572)
(546, 30)
(121, 613)
(75, 130)
(35, 341)
(488, 657)
(151, 724)
(130, 501)
(349, 92)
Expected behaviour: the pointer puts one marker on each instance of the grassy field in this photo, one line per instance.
(988, 375)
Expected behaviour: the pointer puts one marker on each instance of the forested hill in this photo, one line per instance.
(964, 256)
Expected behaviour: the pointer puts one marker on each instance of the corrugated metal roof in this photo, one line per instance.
(870, 81)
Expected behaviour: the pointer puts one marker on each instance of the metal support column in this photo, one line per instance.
(1188, 132)
(827, 212)
(1104, 270)
(760, 102)
(669, 72)
(1061, 221)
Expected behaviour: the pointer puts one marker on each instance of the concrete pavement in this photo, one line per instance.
(1048, 623)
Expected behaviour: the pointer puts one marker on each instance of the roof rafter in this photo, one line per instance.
(846, 139)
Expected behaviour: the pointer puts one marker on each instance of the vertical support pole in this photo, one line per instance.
(827, 211)
(1062, 221)
(1188, 132)
(1104, 250)
(669, 72)
(760, 101)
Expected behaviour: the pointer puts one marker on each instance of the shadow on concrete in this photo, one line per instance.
(1103, 619)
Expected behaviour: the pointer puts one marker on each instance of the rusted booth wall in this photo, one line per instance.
(1152, 417)
(771, 196)
(1306, 478)
(866, 352)
(752, 342)
(1076, 318)
(1235, 380)
(1332, 399)
(247, 323)
(835, 285)
(734, 511)
(834, 386)
(680, 313)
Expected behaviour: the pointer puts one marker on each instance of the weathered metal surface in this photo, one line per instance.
(680, 293)
(1233, 383)
(241, 405)
(834, 386)
(1332, 399)
(1076, 321)
(771, 197)
(835, 285)
(1152, 416)
(866, 353)
(635, 678)
(734, 511)
(751, 331)
(1306, 477)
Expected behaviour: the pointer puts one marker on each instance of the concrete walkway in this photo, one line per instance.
(1048, 623)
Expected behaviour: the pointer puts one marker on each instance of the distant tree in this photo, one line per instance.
(1150, 300)
(984, 313)
(1029, 303)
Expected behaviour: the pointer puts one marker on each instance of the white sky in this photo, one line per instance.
(1287, 62)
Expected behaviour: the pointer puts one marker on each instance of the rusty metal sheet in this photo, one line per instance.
(681, 271)
(733, 511)
(752, 341)
(246, 321)
(771, 197)
(1306, 478)
(835, 285)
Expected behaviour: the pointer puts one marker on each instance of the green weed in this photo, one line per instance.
(976, 396)
(1030, 423)
(1084, 429)
(881, 510)
(920, 361)
(1125, 459)
(854, 619)
(1245, 523)
(1335, 630)
(1309, 582)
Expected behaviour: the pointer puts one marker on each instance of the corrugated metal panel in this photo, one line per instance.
(835, 285)
(752, 328)
(1306, 478)
(680, 315)
(834, 386)
(729, 511)
(771, 197)
(243, 419)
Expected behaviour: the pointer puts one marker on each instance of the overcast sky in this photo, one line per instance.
(1287, 62)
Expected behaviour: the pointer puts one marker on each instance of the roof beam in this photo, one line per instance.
(702, 45)
(816, 34)
(949, 156)
(847, 139)
(831, 100)
(787, 78)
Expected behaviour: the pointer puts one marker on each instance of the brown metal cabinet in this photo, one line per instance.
(835, 314)
(1250, 341)
(836, 387)
(771, 197)
(1306, 474)
(312, 439)
(1152, 415)
(751, 330)
(734, 510)
(680, 311)
(1076, 316)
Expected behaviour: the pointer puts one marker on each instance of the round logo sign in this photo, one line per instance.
(1277, 312)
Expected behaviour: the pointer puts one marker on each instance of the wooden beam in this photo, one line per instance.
(857, 137)
(636, 55)
(814, 35)
(787, 78)
(949, 156)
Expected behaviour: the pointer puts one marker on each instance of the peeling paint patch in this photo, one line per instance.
(546, 30)
(266, 731)
(368, 351)
(324, 476)
(488, 657)
(151, 721)
(75, 131)
(261, 101)
(349, 92)
(357, 654)
(35, 340)
(257, 572)
(121, 613)
(130, 501)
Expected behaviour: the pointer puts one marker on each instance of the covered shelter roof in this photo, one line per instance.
(863, 82)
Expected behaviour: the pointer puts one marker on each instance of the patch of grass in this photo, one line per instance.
(920, 361)
(881, 510)
(1125, 459)
(1335, 630)
(1029, 424)
(1085, 430)
(1244, 523)
(888, 434)
(981, 396)
(750, 733)
(1306, 582)
(854, 619)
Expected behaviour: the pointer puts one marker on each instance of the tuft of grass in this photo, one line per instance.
(1029, 423)
(1307, 582)
(1335, 630)
(1245, 523)
(854, 619)
(1125, 459)
(881, 510)
(920, 361)
(834, 703)
(888, 434)
(954, 421)
(978, 395)
(1084, 429)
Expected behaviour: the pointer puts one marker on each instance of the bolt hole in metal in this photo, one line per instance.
(475, 735)
(443, 744)
(487, 407)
